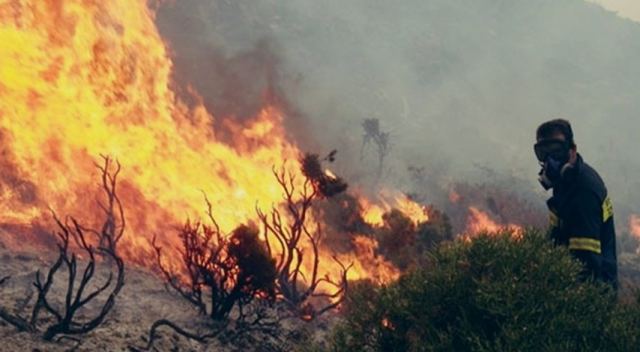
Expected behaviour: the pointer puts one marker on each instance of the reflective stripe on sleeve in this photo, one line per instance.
(607, 209)
(585, 244)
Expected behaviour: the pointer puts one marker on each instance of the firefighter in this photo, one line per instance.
(581, 212)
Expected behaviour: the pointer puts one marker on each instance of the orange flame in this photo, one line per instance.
(388, 200)
(634, 225)
(82, 78)
(480, 221)
(79, 79)
(369, 265)
(372, 213)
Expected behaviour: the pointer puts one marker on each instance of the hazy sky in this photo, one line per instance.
(624, 8)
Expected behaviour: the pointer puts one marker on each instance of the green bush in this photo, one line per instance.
(494, 293)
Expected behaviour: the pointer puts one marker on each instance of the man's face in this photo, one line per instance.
(556, 147)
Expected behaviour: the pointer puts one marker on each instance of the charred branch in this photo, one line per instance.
(259, 321)
(290, 239)
(16, 321)
(221, 274)
(326, 184)
(80, 278)
(153, 333)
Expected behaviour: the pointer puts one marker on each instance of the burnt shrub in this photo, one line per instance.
(405, 243)
(497, 292)
(397, 238)
(221, 272)
(229, 278)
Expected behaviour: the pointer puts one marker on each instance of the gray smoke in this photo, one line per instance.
(460, 85)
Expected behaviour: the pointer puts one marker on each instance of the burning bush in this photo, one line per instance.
(324, 183)
(396, 237)
(507, 200)
(293, 240)
(221, 275)
(229, 278)
(491, 293)
(405, 242)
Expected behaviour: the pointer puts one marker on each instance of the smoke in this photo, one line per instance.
(459, 85)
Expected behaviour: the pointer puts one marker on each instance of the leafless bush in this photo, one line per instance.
(221, 275)
(380, 139)
(290, 240)
(78, 292)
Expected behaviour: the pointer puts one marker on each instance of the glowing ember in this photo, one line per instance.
(387, 324)
(330, 174)
(454, 197)
(634, 227)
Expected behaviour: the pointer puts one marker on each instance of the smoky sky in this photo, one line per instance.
(459, 85)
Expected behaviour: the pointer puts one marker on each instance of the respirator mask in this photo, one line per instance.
(553, 155)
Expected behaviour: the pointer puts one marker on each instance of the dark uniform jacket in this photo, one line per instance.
(582, 219)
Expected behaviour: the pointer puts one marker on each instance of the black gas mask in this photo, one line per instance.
(553, 155)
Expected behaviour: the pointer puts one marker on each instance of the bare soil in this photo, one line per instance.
(143, 300)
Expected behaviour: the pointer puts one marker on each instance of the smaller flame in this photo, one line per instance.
(480, 221)
(372, 213)
(388, 200)
(454, 197)
(387, 324)
(413, 210)
(634, 225)
(370, 265)
(634, 228)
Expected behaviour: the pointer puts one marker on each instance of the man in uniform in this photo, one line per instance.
(581, 211)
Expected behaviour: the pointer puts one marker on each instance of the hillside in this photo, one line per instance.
(458, 84)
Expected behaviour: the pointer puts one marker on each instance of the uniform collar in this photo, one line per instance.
(569, 177)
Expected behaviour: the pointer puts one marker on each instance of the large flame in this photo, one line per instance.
(83, 78)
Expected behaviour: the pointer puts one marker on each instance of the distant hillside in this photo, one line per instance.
(458, 83)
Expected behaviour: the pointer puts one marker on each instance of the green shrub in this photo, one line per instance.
(494, 293)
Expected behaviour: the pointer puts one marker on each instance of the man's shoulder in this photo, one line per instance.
(590, 181)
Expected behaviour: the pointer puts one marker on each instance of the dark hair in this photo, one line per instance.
(550, 128)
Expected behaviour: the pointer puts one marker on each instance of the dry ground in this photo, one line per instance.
(143, 300)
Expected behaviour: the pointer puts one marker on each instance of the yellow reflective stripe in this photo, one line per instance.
(584, 244)
(607, 209)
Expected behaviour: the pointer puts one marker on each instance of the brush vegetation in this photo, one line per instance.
(497, 292)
